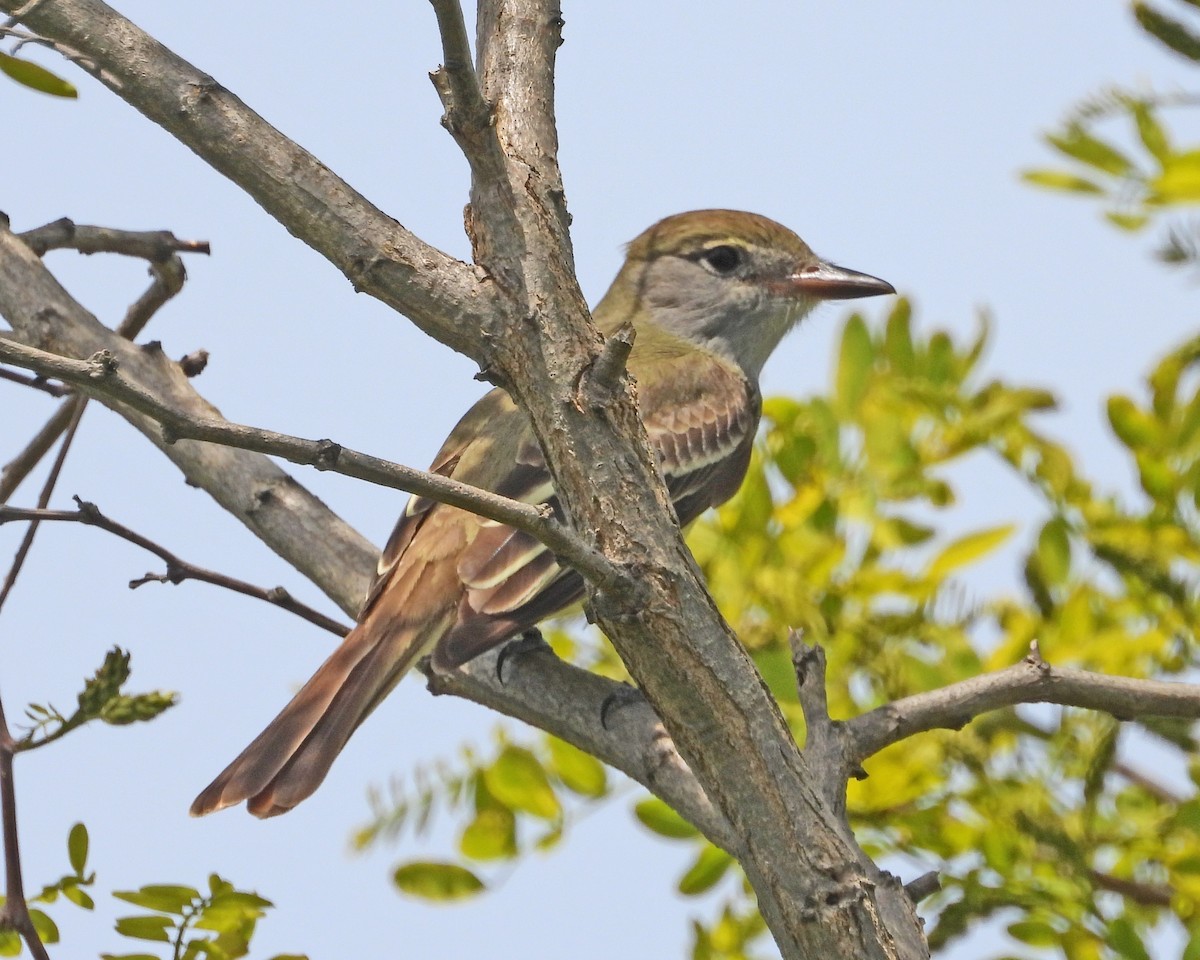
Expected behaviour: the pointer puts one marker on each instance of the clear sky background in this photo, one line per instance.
(888, 134)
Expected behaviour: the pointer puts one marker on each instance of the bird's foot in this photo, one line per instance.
(527, 642)
(624, 696)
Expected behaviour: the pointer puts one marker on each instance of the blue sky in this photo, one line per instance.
(889, 135)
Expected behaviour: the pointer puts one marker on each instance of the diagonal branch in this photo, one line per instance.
(166, 268)
(178, 570)
(101, 376)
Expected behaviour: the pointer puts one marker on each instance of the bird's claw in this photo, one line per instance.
(623, 696)
(527, 642)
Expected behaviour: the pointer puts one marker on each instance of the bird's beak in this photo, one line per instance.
(827, 281)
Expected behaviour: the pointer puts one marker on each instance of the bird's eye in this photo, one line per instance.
(723, 260)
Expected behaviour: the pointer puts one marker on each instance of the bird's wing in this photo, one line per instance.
(701, 429)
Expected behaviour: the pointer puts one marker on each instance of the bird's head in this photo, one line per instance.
(729, 281)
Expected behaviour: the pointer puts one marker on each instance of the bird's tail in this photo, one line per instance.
(289, 759)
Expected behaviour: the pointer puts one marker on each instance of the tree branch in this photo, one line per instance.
(100, 376)
(15, 912)
(169, 275)
(567, 701)
(153, 245)
(178, 570)
(1030, 681)
(76, 407)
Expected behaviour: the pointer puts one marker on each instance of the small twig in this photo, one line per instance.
(43, 499)
(37, 383)
(169, 278)
(15, 912)
(99, 374)
(1030, 681)
(22, 37)
(153, 245)
(178, 570)
(168, 274)
(824, 742)
(1147, 894)
(602, 382)
(923, 886)
(809, 664)
(456, 81)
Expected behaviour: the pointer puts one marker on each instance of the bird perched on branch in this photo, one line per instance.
(710, 295)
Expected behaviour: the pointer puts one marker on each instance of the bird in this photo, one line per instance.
(709, 294)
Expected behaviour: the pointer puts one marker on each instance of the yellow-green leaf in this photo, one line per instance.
(491, 835)
(854, 364)
(145, 928)
(707, 870)
(36, 77)
(1061, 180)
(1133, 426)
(968, 549)
(437, 881)
(663, 820)
(1054, 551)
(897, 338)
(518, 780)
(1127, 221)
(77, 847)
(1180, 180)
(578, 771)
(1153, 136)
(1080, 145)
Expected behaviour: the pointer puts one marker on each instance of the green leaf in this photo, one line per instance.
(36, 77)
(1179, 181)
(1168, 31)
(663, 820)
(46, 928)
(1061, 180)
(579, 772)
(897, 338)
(146, 928)
(707, 870)
(80, 898)
(518, 780)
(437, 881)
(1080, 145)
(968, 549)
(854, 364)
(1123, 938)
(1132, 425)
(1054, 551)
(165, 898)
(1151, 132)
(491, 835)
(10, 943)
(1127, 221)
(1036, 933)
(77, 848)
(128, 956)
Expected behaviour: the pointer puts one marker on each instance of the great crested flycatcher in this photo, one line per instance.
(710, 295)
